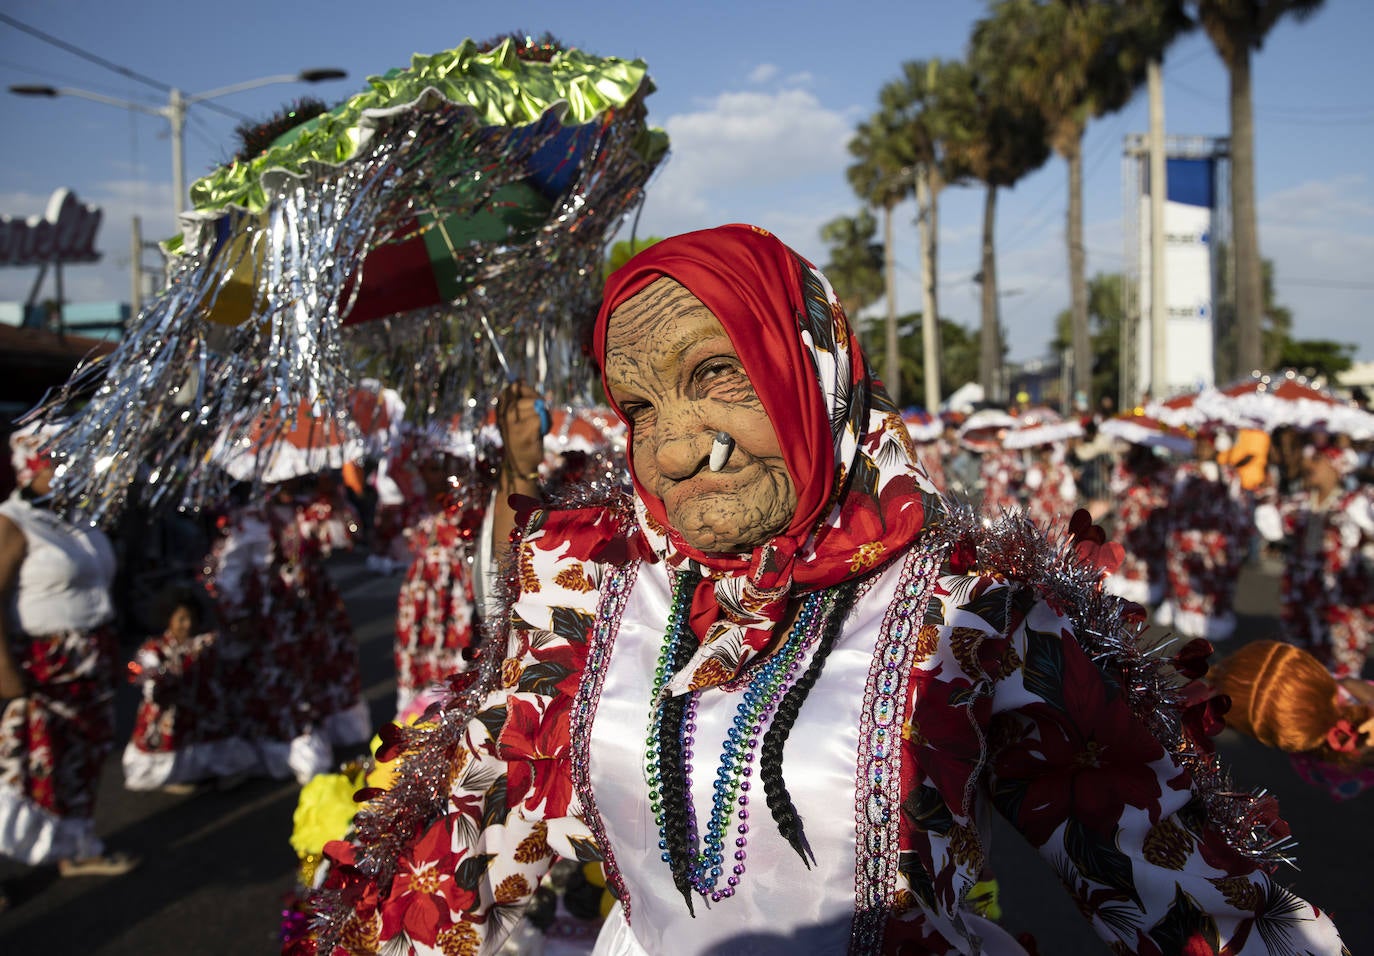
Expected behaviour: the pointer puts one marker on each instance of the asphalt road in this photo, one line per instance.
(217, 864)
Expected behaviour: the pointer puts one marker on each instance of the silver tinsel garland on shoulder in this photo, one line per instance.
(1047, 560)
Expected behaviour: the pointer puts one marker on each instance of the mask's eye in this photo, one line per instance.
(723, 379)
(637, 412)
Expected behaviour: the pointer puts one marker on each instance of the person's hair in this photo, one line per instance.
(676, 816)
(178, 596)
(1283, 697)
(672, 774)
(770, 754)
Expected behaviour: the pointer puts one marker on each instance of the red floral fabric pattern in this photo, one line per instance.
(1002, 474)
(435, 612)
(1003, 704)
(182, 696)
(1209, 528)
(54, 739)
(1140, 525)
(1328, 580)
(290, 660)
(1055, 495)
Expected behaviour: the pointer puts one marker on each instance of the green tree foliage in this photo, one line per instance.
(928, 101)
(999, 138)
(1106, 312)
(958, 353)
(624, 250)
(1315, 357)
(1276, 323)
(881, 177)
(855, 267)
(1076, 60)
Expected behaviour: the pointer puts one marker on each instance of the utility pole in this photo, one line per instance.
(1159, 311)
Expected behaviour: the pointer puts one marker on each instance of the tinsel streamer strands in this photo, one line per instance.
(419, 791)
(142, 422)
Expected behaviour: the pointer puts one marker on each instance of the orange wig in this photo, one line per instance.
(1283, 697)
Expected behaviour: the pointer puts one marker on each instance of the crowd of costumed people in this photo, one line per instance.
(743, 660)
(538, 557)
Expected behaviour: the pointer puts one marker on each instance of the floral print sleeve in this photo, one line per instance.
(463, 882)
(1122, 822)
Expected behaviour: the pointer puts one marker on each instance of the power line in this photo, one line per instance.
(107, 64)
(64, 79)
(84, 54)
(1327, 283)
(1333, 116)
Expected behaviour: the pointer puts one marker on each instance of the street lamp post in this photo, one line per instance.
(177, 105)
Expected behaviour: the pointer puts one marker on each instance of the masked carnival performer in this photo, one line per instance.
(777, 690)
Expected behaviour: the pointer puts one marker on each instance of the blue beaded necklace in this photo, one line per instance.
(766, 686)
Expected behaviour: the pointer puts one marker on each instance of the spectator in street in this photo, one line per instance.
(57, 670)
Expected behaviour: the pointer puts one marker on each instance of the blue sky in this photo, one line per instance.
(759, 98)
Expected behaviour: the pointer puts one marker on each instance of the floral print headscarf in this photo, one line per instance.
(860, 490)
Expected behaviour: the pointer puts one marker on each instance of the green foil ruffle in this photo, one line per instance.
(497, 85)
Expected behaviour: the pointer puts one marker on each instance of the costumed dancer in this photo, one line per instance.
(1328, 567)
(780, 574)
(1002, 474)
(1209, 524)
(317, 629)
(57, 674)
(181, 732)
(436, 610)
(1140, 488)
(401, 503)
(958, 464)
(1052, 493)
(279, 616)
(1283, 697)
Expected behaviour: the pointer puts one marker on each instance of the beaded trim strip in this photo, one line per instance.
(615, 591)
(877, 784)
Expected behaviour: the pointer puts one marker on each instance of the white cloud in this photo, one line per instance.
(774, 158)
(110, 279)
(1319, 202)
(763, 73)
(1320, 236)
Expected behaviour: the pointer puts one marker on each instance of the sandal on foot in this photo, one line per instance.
(108, 864)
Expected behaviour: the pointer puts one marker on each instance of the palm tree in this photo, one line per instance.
(924, 102)
(881, 177)
(855, 269)
(1236, 27)
(1000, 139)
(1075, 60)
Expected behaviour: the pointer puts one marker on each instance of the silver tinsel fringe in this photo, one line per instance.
(418, 796)
(145, 421)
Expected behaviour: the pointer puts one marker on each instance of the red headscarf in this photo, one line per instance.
(859, 488)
